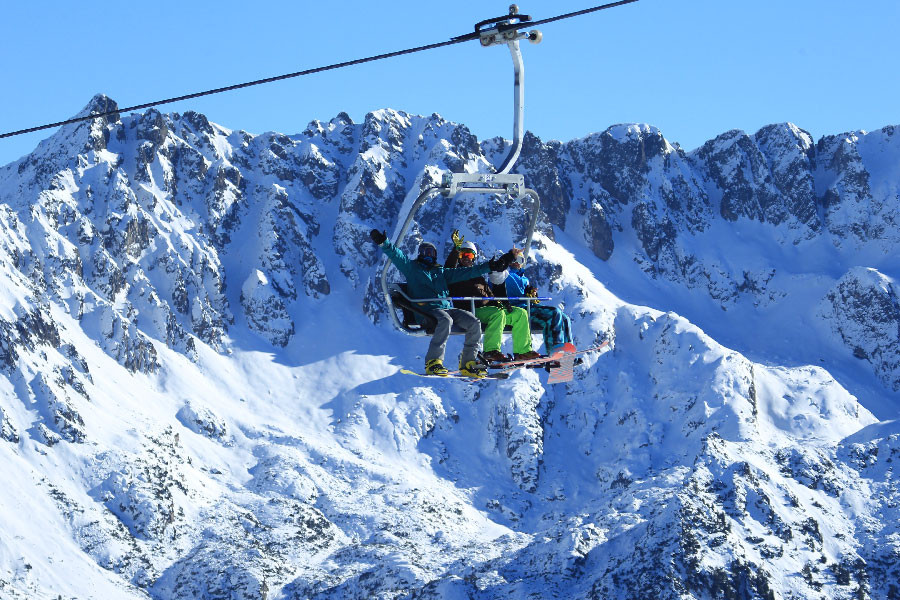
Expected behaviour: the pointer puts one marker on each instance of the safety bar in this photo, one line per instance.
(529, 298)
(473, 299)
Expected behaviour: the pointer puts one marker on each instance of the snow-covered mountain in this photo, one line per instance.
(200, 395)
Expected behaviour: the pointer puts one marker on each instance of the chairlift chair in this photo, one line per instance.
(491, 32)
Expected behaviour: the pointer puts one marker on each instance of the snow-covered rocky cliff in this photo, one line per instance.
(200, 395)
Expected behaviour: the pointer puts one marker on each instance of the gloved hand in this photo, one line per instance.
(502, 263)
(531, 291)
(457, 239)
(377, 236)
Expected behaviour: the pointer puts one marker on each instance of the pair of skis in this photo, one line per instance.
(560, 372)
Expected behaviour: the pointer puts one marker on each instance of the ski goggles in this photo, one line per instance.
(428, 252)
(467, 254)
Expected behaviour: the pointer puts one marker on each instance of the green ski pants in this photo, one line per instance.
(495, 319)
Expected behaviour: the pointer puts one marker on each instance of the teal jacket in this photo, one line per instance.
(423, 281)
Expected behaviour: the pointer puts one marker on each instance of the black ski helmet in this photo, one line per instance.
(427, 253)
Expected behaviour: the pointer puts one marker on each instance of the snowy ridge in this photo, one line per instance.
(762, 226)
(200, 395)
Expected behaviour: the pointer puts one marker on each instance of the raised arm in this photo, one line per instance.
(452, 261)
(495, 264)
(452, 275)
(394, 254)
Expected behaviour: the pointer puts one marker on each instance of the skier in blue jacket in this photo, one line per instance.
(513, 283)
(427, 279)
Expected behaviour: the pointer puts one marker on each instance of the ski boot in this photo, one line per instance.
(472, 369)
(494, 356)
(436, 366)
(530, 355)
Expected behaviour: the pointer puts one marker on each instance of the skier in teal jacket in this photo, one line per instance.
(427, 279)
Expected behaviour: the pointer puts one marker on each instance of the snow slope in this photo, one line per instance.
(201, 395)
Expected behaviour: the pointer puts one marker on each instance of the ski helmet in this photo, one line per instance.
(469, 246)
(427, 253)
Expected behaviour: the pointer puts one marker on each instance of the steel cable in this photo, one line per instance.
(340, 65)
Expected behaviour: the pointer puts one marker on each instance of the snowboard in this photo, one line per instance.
(566, 370)
(458, 375)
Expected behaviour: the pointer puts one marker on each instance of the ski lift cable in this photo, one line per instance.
(579, 13)
(340, 65)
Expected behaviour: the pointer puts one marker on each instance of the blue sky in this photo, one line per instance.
(694, 68)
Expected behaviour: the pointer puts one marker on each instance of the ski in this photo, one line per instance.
(458, 375)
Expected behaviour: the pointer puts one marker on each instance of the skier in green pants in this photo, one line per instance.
(493, 314)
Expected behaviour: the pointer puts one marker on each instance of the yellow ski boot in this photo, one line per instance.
(436, 366)
(472, 369)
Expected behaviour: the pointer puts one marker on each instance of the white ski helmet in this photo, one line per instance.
(469, 246)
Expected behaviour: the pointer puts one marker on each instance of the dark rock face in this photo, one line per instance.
(776, 176)
(853, 214)
(791, 159)
(60, 414)
(876, 570)
(100, 127)
(655, 231)
(204, 421)
(146, 492)
(739, 169)
(32, 329)
(864, 310)
(600, 232)
(541, 162)
(8, 431)
(612, 181)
